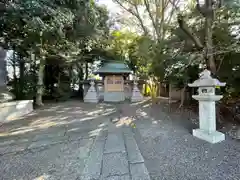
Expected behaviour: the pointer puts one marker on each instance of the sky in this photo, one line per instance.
(115, 10)
(112, 7)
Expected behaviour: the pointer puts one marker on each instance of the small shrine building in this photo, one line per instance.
(115, 85)
(114, 74)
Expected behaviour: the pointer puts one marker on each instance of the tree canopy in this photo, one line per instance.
(54, 43)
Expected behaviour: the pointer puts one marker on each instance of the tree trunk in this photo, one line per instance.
(15, 83)
(208, 12)
(40, 85)
(169, 97)
(182, 96)
(21, 78)
(159, 89)
(80, 78)
(208, 36)
(86, 70)
(70, 71)
(34, 74)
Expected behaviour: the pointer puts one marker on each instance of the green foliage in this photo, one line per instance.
(66, 30)
(225, 45)
(73, 34)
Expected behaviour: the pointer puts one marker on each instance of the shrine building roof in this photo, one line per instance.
(114, 68)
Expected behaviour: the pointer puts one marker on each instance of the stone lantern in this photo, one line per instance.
(91, 95)
(207, 110)
(136, 94)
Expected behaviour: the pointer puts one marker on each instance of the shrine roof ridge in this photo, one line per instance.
(114, 67)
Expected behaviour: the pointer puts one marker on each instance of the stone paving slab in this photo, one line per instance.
(123, 177)
(114, 143)
(115, 164)
(134, 154)
(139, 172)
(92, 169)
(102, 135)
(127, 131)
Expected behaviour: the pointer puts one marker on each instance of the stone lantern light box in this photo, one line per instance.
(207, 108)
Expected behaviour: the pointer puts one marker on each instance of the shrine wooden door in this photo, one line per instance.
(114, 83)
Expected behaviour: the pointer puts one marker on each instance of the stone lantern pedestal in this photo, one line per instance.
(91, 95)
(207, 110)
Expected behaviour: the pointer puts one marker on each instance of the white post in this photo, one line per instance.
(207, 109)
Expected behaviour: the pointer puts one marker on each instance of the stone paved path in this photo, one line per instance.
(116, 155)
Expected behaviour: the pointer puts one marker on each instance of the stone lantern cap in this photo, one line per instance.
(206, 80)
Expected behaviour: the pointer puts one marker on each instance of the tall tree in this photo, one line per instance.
(209, 10)
(153, 16)
(51, 28)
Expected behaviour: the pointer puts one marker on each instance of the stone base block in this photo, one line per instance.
(91, 100)
(14, 109)
(136, 99)
(114, 96)
(213, 137)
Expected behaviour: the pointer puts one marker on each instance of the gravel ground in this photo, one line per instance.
(52, 162)
(52, 143)
(172, 153)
